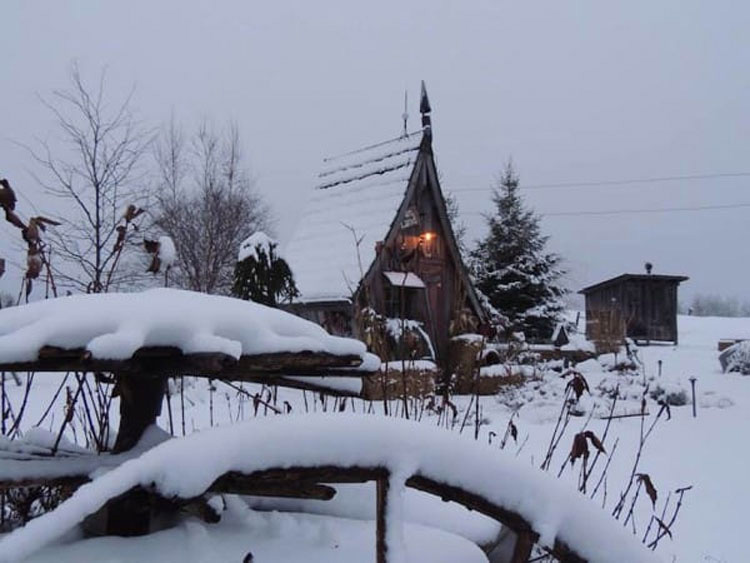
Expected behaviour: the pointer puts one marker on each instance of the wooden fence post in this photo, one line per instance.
(141, 396)
(381, 520)
(524, 544)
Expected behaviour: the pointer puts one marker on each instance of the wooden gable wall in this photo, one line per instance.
(421, 241)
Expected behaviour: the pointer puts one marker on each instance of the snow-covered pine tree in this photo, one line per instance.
(261, 275)
(511, 268)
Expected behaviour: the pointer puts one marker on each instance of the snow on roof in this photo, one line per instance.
(186, 467)
(358, 195)
(640, 277)
(404, 279)
(113, 326)
(249, 246)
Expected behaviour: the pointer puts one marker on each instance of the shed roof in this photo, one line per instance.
(628, 277)
(351, 208)
(404, 279)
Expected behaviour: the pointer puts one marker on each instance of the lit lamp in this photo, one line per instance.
(425, 241)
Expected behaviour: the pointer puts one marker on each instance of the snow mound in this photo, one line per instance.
(186, 467)
(271, 538)
(114, 325)
(737, 358)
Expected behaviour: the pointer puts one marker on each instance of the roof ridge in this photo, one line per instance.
(383, 170)
(373, 146)
(360, 164)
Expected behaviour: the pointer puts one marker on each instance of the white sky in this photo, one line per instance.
(574, 91)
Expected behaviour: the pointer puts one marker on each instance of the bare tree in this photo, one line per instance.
(206, 203)
(96, 169)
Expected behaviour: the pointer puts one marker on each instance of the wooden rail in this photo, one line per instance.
(168, 360)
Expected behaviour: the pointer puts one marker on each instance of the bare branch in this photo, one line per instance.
(206, 204)
(98, 169)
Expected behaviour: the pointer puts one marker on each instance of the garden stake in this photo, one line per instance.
(692, 383)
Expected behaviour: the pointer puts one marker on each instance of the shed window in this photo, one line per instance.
(404, 295)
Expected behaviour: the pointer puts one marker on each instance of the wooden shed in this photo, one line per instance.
(376, 235)
(640, 306)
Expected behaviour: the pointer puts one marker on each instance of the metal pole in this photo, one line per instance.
(659, 368)
(692, 383)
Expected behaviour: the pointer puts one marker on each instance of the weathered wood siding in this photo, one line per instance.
(411, 249)
(642, 309)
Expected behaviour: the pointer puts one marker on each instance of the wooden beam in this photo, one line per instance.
(236, 483)
(298, 384)
(169, 360)
(323, 474)
(155, 361)
(298, 363)
(511, 519)
(508, 518)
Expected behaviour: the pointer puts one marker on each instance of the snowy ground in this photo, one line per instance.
(705, 452)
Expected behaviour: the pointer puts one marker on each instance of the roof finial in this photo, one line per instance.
(424, 108)
(405, 115)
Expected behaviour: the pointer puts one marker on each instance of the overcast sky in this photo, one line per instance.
(575, 92)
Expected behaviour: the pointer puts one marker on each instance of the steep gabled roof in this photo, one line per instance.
(359, 199)
(358, 195)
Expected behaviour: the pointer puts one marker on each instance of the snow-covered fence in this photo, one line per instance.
(145, 338)
(324, 449)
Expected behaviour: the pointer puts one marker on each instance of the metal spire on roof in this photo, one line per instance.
(425, 109)
(424, 102)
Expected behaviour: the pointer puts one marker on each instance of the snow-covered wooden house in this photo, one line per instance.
(376, 233)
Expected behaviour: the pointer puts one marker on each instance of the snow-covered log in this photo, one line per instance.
(168, 330)
(335, 448)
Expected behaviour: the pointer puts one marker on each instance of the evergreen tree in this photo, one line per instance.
(458, 226)
(261, 275)
(511, 268)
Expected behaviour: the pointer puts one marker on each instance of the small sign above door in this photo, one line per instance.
(411, 218)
